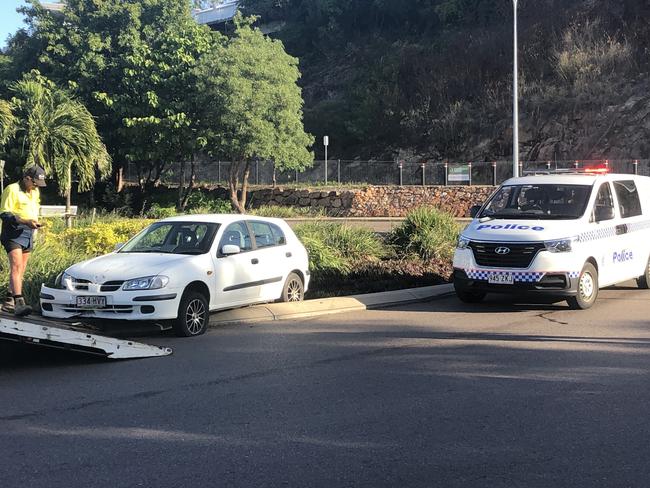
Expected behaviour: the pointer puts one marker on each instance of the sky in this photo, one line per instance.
(10, 20)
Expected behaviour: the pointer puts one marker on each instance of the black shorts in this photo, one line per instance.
(11, 245)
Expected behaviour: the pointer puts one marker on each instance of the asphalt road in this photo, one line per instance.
(431, 395)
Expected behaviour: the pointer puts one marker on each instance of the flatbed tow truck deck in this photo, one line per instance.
(73, 336)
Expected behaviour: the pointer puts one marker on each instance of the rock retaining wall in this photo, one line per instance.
(376, 201)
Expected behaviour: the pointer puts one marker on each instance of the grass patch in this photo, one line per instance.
(426, 232)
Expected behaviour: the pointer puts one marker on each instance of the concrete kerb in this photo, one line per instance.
(326, 306)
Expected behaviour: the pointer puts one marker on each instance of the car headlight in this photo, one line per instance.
(146, 283)
(463, 242)
(63, 281)
(560, 245)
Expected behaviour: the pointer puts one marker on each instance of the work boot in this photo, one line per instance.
(21, 308)
(8, 305)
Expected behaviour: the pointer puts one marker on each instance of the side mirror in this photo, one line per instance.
(118, 246)
(230, 249)
(474, 210)
(604, 213)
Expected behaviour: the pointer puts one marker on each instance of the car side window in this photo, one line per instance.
(278, 235)
(627, 194)
(237, 234)
(263, 234)
(603, 200)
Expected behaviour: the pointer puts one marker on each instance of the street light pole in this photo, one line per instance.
(515, 101)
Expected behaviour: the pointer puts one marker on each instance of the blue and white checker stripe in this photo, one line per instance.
(518, 276)
(594, 235)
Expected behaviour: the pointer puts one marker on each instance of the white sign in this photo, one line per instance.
(326, 141)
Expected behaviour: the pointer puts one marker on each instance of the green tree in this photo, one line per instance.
(59, 134)
(249, 84)
(131, 63)
(7, 122)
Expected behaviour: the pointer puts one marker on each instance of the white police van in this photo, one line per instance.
(561, 235)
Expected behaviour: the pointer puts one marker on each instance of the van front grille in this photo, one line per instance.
(494, 254)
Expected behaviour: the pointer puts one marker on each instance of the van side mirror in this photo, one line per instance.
(474, 210)
(604, 212)
(230, 249)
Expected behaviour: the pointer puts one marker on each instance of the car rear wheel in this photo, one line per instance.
(643, 282)
(193, 315)
(294, 289)
(587, 289)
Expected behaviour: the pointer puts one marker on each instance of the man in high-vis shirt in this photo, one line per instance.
(20, 206)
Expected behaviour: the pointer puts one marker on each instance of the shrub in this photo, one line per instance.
(336, 248)
(201, 203)
(157, 212)
(426, 232)
(287, 212)
(100, 238)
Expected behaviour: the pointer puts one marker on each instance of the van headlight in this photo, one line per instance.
(560, 245)
(463, 242)
(146, 283)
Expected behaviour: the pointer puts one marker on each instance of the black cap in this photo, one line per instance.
(37, 174)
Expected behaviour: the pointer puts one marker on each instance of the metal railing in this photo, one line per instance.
(351, 172)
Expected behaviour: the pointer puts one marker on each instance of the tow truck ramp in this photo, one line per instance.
(74, 337)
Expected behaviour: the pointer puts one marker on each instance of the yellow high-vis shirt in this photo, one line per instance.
(25, 205)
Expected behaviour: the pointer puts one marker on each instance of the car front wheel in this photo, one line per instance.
(587, 289)
(643, 281)
(193, 315)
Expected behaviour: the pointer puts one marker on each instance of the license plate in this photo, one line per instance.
(501, 279)
(91, 302)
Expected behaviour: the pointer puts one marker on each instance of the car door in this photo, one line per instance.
(630, 256)
(270, 243)
(601, 237)
(236, 276)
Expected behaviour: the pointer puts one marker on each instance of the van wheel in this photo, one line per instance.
(294, 289)
(193, 315)
(467, 296)
(643, 282)
(587, 289)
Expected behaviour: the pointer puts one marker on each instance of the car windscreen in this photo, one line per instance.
(538, 202)
(173, 238)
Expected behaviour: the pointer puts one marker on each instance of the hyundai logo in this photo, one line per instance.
(502, 250)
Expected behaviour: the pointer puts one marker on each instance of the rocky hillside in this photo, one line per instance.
(432, 78)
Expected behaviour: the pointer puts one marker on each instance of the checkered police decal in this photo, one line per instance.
(521, 277)
(594, 235)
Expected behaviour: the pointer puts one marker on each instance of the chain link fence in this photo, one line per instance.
(347, 172)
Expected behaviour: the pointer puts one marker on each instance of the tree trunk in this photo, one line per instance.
(68, 199)
(233, 185)
(119, 179)
(181, 187)
(190, 188)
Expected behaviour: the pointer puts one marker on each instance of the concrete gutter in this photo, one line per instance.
(327, 306)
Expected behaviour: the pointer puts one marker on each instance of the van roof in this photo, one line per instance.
(571, 179)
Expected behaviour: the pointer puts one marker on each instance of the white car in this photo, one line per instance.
(562, 235)
(181, 268)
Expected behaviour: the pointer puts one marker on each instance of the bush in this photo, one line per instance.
(201, 203)
(426, 232)
(100, 238)
(280, 212)
(337, 248)
(157, 212)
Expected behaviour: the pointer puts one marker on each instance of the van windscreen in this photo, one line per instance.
(538, 202)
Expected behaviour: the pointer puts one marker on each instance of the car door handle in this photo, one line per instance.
(255, 261)
(288, 254)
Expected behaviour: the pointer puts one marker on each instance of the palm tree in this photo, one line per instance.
(7, 122)
(59, 134)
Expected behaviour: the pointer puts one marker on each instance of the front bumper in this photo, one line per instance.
(120, 305)
(550, 274)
